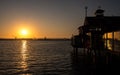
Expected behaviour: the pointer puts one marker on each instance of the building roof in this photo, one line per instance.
(105, 23)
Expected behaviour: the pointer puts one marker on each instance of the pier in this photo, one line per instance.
(94, 48)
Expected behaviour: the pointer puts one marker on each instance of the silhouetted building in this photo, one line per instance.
(97, 40)
(97, 26)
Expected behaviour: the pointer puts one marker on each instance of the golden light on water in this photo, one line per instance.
(24, 55)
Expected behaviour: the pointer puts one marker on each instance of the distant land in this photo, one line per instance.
(47, 39)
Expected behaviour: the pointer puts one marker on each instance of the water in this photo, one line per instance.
(30, 57)
(38, 57)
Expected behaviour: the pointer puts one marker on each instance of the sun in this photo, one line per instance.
(24, 32)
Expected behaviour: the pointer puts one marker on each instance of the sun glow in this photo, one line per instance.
(24, 32)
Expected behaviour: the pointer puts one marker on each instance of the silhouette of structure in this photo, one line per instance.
(95, 47)
(93, 30)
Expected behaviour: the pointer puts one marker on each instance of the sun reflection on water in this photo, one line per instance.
(24, 55)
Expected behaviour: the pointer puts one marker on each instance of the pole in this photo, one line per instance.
(86, 11)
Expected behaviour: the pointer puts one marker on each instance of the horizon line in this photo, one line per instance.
(34, 38)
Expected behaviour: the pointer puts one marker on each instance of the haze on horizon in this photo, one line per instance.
(48, 18)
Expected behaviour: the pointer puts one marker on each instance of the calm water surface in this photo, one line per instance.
(23, 57)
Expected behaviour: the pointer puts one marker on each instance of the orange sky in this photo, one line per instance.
(48, 18)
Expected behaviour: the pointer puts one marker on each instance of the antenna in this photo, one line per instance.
(86, 11)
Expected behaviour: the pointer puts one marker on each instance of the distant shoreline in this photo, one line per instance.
(49, 39)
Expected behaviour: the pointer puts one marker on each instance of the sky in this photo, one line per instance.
(49, 18)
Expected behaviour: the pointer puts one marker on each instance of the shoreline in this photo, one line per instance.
(51, 39)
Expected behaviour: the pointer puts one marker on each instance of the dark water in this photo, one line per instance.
(33, 57)
(23, 57)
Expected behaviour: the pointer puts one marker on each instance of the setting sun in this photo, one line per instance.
(24, 32)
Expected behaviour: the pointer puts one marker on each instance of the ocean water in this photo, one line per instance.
(38, 57)
(31, 57)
